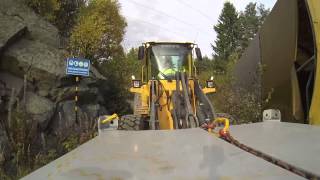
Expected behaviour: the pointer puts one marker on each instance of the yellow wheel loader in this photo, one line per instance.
(168, 94)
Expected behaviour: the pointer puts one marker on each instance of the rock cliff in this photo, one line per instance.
(32, 75)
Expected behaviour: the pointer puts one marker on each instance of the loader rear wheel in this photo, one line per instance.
(131, 123)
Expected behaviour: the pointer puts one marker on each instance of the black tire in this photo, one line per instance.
(131, 123)
(201, 116)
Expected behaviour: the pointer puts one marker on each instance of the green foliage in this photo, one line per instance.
(28, 154)
(250, 21)
(235, 30)
(234, 35)
(22, 133)
(118, 73)
(44, 158)
(209, 67)
(228, 32)
(98, 36)
(3, 175)
(133, 63)
(71, 143)
(241, 104)
(263, 13)
(61, 13)
(67, 15)
(45, 8)
(99, 32)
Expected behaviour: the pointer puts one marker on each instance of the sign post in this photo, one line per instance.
(77, 67)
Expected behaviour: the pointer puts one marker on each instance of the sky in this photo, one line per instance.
(176, 20)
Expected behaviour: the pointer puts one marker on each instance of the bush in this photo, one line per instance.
(243, 105)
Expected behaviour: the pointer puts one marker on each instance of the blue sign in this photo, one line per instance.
(78, 66)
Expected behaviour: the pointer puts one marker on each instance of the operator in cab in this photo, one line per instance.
(168, 69)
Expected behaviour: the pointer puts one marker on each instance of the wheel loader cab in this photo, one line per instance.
(168, 95)
(168, 59)
(161, 60)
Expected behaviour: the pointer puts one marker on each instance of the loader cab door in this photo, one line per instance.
(167, 59)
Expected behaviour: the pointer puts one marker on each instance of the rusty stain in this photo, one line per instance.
(225, 178)
(49, 176)
(83, 173)
(167, 169)
(116, 178)
(156, 160)
(59, 165)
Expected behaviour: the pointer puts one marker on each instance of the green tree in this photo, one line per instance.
(45, 8)
(263, 14)
(133, 62)
(61, 13)
(228, 32)
(99, 32)
(67, 15)
(250, 22)
(118, 73)
(206, 65)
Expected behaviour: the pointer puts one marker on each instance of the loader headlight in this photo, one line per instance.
(210, 84)
(136, 83)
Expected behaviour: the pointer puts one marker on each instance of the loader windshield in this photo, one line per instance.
(167, 59)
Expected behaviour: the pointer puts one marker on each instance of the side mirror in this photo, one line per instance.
(136, 83)
(210, 87)
(210, 84)
(198, 53)
(141, 53)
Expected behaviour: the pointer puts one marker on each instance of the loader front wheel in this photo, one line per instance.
(131, 123)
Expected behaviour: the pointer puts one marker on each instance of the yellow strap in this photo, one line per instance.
(225, 121)
(110, 118)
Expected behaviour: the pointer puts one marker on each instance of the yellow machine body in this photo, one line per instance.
(165, 116)
(314, 114)
(164, 90)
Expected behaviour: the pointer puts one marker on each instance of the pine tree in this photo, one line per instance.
(250, 22)
(263, 14)
(227, 31)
